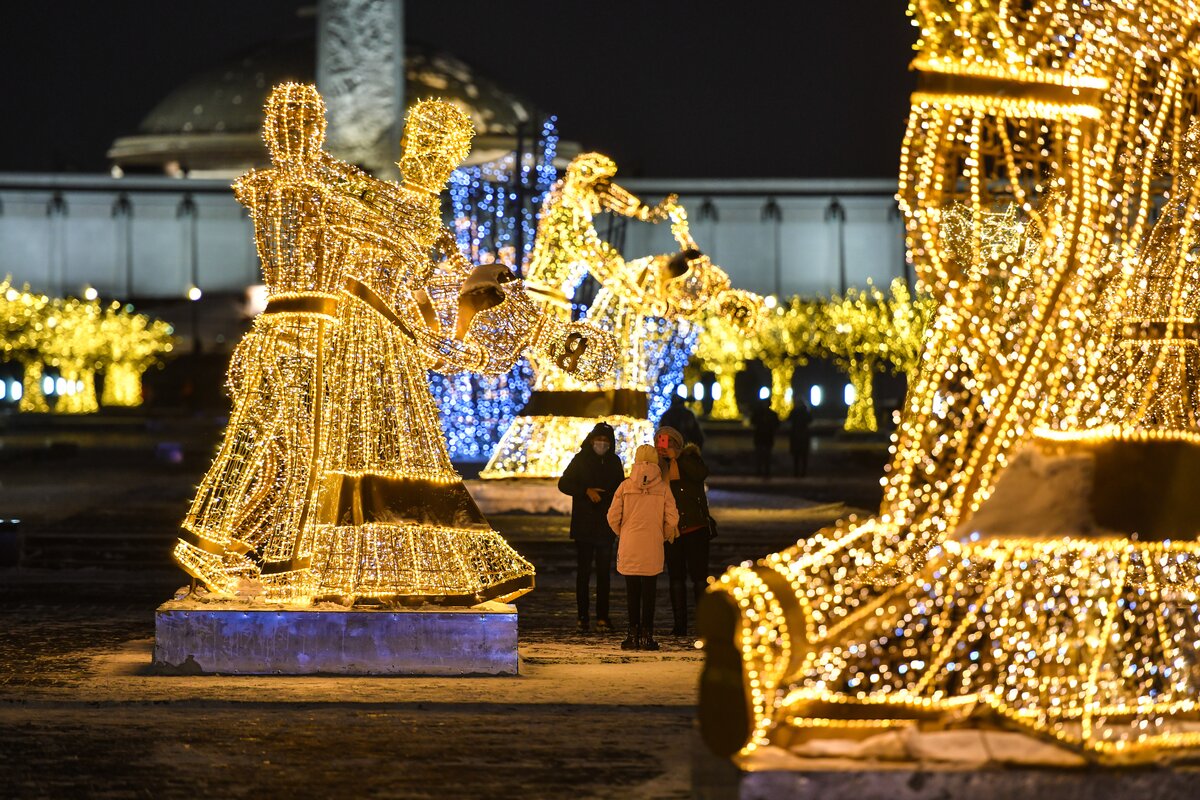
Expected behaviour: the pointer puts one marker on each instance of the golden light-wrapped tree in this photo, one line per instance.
(73, 342)
(724, 345)
(23, 319)
(783, 343)
(863, 332)
(135, 342)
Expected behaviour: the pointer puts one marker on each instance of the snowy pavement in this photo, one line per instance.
(82, 714)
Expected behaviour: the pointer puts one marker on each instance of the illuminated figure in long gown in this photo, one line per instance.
(916, 617)
(650, 305)
(380, 514)
(258, 494)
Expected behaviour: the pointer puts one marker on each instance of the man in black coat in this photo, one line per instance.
(590, 479)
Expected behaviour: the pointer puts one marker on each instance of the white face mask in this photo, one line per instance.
(600, 447)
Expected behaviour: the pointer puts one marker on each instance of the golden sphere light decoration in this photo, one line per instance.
(333, 481)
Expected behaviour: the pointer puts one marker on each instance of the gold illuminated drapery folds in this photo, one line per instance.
(648, 304)
(333, 481)
(1030, 169)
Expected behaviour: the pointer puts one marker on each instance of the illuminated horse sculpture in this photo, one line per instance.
(651, 305)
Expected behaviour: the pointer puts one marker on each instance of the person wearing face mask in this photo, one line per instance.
(590, 479)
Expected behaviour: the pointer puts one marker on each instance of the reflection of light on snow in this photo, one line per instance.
(716, 391)
(681, 390)
(849, 395)
(47, 385)
(764, 393)
(816, 396)
(698, 391)
(18, 391)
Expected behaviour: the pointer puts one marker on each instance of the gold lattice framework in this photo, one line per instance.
(333, 480)
(647, 304)
(1028, 180)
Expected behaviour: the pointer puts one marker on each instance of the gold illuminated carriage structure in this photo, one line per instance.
(652, 306)
(1042, 138)
(333, 481)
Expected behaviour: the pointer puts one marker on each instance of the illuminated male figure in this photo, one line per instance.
(258, 493)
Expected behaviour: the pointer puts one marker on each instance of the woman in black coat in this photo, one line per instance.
(687, 556)
(590, 479)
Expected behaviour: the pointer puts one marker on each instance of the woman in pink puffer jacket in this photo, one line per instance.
(643, 516)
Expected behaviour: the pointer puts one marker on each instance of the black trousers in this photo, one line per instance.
(588, 554)
(800, 448)
(762, 460)
(641, 591)
(687, 558)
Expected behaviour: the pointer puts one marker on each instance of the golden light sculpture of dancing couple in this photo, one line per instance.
(333, 481)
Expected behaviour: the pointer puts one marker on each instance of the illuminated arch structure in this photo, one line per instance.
(1062, 111)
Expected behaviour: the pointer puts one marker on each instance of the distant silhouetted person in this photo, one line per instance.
(800, 437)
(766, 424)
(681, 418)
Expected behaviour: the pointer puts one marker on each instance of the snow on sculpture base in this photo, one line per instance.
(241, 638)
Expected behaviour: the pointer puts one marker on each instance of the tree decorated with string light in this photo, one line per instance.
(135, 343)
(23, 325)
(862, 332)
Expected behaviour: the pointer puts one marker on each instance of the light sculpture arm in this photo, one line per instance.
(619, 200)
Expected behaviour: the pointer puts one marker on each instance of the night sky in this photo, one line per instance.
(783, 88)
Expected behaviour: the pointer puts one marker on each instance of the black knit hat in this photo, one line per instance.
(602, 431)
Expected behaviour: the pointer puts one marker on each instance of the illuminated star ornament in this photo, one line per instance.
(1066, 320)
(333, 481)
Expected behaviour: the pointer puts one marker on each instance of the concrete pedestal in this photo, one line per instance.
(916, 782)
(243, 640)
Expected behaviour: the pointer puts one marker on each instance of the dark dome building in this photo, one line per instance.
(210, 126)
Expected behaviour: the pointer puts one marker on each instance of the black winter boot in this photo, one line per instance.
(634, 640)
(648, 642)
(679, 598)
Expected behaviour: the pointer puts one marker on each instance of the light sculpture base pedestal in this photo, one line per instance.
(239, 639)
